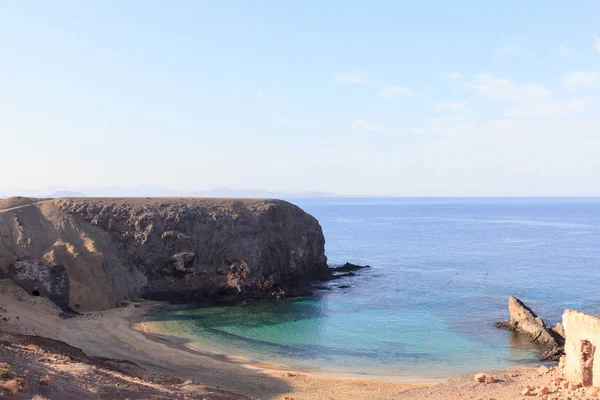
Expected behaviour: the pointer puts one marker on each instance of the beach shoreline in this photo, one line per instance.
(137, 323)
(108, 335)
(112, 334)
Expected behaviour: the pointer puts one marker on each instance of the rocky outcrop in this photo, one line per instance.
(346, 270)
(164, 249)
(349, 267)
(40, 279)
(525, 321)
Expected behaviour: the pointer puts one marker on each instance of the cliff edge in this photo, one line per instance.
(91, 254)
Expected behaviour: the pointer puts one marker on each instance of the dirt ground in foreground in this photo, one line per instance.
(33, 366)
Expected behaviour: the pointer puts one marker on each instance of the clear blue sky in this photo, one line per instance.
(405, 98)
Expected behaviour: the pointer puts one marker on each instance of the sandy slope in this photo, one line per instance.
(33, 365)
(15, 203)
(30, 352)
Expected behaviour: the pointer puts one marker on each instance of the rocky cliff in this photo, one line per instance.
(90, 254)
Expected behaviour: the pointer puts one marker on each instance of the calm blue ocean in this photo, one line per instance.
(442, 271)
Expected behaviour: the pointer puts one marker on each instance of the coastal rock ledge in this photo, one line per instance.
(91, 254)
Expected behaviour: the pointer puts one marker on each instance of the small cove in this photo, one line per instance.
(442, 273)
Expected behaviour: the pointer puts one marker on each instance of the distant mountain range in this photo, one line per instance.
(65, 193)
(153, 191)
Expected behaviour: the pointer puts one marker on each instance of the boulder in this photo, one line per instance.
(525, 321)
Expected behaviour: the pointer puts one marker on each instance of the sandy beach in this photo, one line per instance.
(138, 322)
(120, 333)
(110, 334)
(112, 338)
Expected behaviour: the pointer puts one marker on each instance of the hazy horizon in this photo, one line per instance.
(154, 191)
(380, 99)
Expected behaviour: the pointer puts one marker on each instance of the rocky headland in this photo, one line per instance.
(89, 254)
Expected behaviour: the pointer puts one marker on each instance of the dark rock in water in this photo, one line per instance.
(505, 325)
(523, 320)
(554, 353)
(344, 286)
(338, 276)
(349, 267)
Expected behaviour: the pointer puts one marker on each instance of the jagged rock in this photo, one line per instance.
(553, 353)
(179, 264)
(349, 267)
(479, 378)
(344, 275)
(525, 321)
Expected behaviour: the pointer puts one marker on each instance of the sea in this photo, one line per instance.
(442, 270)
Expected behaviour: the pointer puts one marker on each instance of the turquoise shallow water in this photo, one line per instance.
(442, 273)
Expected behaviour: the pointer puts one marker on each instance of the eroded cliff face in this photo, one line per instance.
(166, 249)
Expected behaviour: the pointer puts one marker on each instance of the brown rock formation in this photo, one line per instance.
(167, 249)
(525, 321)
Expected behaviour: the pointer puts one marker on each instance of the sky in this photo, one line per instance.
(377, 98)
